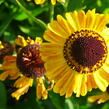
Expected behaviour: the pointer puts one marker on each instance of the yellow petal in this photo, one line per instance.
(49, 46)
(100, 22)
(14, 75)
(56, 28)
(103, 97)
(82, 19)
(52, 37)
(38, 40)
(66, 85)
(57, 72)
(104, 74)
(78, 83)
(41, 91)
(20, 92)
(101, 83)
(106, 67)
(89, 85)
(84, 85)
(103, 21)
(21, 41)
(92, 81)
(23, 85)
(105, 34)
(4, 75)
(90, 19)
(23, 81)
(73, 20)
(29, 41)
(57, 63)
(59, 84)
(70, 89)
(64, 24)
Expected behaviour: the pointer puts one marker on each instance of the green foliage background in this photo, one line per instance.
(16, 20)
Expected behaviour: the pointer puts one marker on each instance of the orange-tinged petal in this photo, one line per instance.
(4, 75)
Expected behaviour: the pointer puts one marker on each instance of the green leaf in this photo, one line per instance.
(106, 11)
(35, 31)
(1, 1)
(106, 105)
(75, 102)
(7, 22)
(57, 100)
(74, 4)
(24, 29)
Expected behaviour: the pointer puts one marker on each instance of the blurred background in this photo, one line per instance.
(15, 20)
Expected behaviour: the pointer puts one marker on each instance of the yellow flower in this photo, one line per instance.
(27, 65)
(101, 98)
(5, 49)
(77, 57)
(39, 2)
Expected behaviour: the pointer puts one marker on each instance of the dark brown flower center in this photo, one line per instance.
(85, 51)
(29, 61)
(6, 50)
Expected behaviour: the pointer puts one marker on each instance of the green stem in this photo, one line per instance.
(51, 12)
(38, 21)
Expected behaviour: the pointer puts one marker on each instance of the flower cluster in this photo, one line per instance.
(73, 60)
